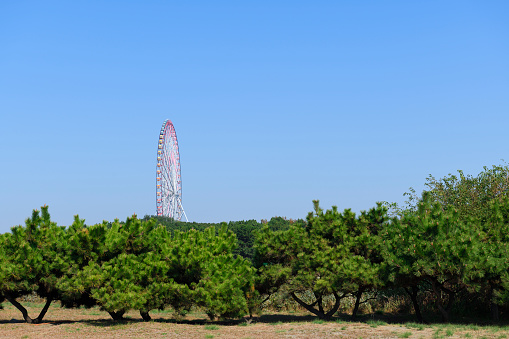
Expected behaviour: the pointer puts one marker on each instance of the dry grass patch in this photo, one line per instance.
(93, 323)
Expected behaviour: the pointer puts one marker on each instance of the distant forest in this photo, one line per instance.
(244, 229)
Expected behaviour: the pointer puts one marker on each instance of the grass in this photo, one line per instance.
(437, 334)
(416, 326)
(92, 313)
(71, 329)
(447, 330)
(209, 336)
(473, 327)
(205, 327)
(376, 323)
(164, 311)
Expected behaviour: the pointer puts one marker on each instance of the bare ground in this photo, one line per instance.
(93, 323)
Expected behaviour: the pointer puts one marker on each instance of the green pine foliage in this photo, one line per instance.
(471, 196)
(332, 254)
(152, 268)
(493, 255)
(436, 246)
(117, 279)
(32, 260)
(470, 247)
(84, 246)
(448, 247)
(120, 266)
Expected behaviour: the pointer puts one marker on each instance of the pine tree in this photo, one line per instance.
(332, 254)
(32, 260)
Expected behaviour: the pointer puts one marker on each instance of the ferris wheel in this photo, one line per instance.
(168, 181)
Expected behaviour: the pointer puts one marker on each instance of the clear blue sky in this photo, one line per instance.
(275, 103)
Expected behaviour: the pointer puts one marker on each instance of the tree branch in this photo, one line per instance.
(44, 309)
(20, 307)
(306, 306)
(336, 305)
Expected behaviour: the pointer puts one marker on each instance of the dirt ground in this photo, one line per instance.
(93, 323)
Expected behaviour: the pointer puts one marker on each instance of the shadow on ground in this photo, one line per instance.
(268, 319)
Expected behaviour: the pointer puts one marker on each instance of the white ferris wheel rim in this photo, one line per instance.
(168, 179)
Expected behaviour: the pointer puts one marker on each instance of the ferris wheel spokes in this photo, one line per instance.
(168, 179)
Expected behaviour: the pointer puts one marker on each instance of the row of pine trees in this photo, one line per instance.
(450, 245)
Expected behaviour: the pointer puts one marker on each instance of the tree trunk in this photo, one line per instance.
(320, 313)
(335, 308)
(21, 309)
(494, 311)
(444, 311)
(493, 305)
(415, 303)
(24, 312)
(310, 308)
(119, 315)
(145, 316)
(358, 296)
(320, 305)
(44, 310)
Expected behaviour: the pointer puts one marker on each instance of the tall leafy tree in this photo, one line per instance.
(477, 200)
(494, 255)
(469, 195)
(244, 231)
(433, 245)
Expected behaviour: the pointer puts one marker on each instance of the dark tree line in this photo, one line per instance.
(244, 230)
